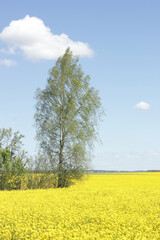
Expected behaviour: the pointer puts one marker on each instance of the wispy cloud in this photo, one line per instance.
(10, 50)
(8, 62)
(37, 42)
(142, 106)
(149, 160)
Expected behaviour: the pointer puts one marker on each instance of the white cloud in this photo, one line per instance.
(37, 42)
(8, 62)
(142, 106)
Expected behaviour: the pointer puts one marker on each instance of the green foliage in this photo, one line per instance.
(12, 166)
(39, 181)
(67, 113)
(67, 173)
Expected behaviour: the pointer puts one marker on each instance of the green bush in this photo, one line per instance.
(11, 170)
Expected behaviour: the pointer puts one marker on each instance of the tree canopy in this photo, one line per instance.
(12, 159)
(67, 114)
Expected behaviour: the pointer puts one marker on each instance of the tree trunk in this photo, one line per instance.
(60, 167)
(60, 176)
(61, 179)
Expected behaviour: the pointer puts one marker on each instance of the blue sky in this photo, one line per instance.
(118, 42)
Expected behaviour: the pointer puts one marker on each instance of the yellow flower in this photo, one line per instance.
(121, 207)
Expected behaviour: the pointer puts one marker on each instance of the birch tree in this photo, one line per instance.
(67, 114)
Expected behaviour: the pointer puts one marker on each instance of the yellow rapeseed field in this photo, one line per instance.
(115, 206)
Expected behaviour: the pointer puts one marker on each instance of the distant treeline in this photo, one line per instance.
(153, 171)
(114, 171)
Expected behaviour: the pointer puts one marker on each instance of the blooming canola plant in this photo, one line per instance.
(111, 206)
